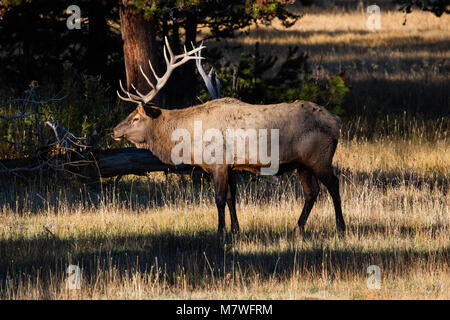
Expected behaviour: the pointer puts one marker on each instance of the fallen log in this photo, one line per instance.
(116, 162)
(100, 163)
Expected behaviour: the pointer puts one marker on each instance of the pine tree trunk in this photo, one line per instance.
(138, 37)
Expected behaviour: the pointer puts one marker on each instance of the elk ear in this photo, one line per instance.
(151, 110)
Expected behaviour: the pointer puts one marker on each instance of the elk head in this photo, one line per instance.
(134, 127)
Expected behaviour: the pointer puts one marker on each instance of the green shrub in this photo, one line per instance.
(330, 93)
(251, 81)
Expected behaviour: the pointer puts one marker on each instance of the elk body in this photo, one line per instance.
(308, 136)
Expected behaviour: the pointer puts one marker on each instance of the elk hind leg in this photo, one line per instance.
(331, 182)
(311, 190)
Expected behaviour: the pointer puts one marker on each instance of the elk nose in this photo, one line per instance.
(116, 135)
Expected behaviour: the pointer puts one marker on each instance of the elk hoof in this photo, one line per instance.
(221, 233)
(299, 229)
(341, 229)
(235, 230)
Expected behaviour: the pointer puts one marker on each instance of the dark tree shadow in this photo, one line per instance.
(204, 255)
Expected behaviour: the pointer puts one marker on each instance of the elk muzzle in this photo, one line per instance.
(118, 132)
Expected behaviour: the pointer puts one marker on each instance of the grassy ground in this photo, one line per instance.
(156, 238)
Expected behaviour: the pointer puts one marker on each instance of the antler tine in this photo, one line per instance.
(210, 73)
(146, 78)
(153, 70)
(207, 78)
(189, 55)
(131, 97)
(137, 91)
(121, 86)
(127, 99)
(198, 54)
(123, 98)
(165, 56)
(169, 49)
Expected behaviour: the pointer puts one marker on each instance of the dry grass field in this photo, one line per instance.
(155, 237)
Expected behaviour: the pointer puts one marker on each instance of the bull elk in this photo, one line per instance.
(307, 139)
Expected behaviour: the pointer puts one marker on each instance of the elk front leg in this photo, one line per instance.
(220, 178)
(231, 201)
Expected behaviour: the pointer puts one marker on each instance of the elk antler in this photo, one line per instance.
(172, 62)
(214, 92)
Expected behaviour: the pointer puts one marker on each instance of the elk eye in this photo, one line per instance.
(135, 119)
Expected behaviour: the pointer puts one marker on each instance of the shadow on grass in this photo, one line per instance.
(153, 194)
(400, 43)
(383, 180)
(204, 257)
(380, 81)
